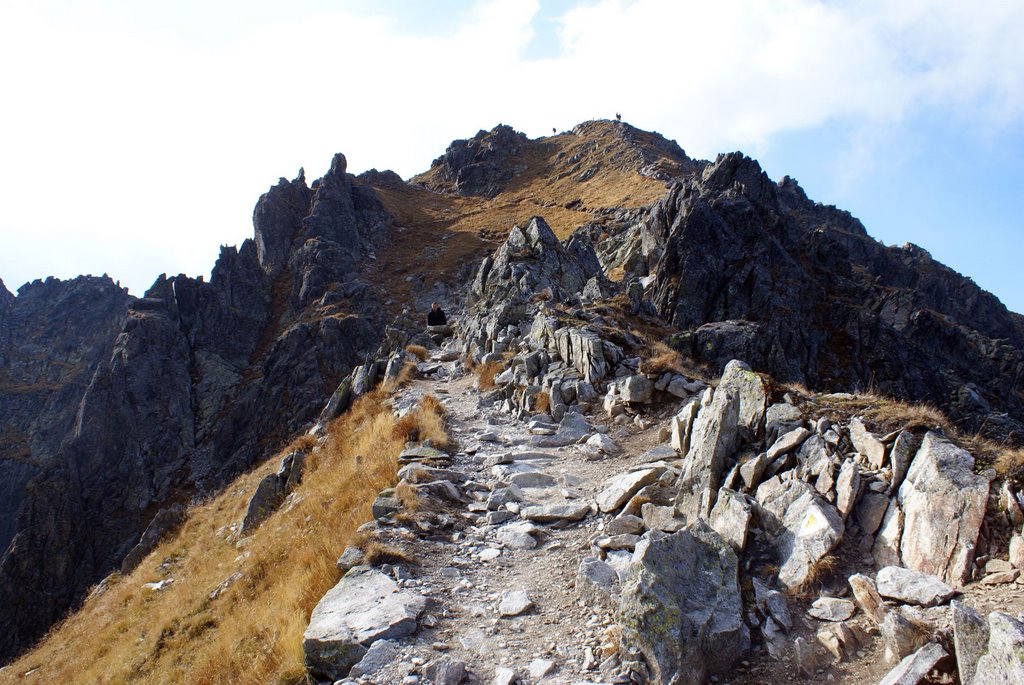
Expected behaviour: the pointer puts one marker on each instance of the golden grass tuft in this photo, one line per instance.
(819, 573)
(485, 374)
(418, 351)
(542, 402)
(377, 553)
(251, 631)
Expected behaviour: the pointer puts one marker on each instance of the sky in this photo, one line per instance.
(135, 138)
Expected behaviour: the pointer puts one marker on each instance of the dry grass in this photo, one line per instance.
(251, 632)
(485, 374)
(819, 573)
(418, 351)
(542, 402)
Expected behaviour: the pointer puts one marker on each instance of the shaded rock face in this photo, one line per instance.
(131, 405)
(753, 270)
(481, 165)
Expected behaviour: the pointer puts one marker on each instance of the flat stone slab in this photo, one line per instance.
(365, 606)
(625, 486)
(915, 667)
(912, 587)
(549, 513)
(832, 609)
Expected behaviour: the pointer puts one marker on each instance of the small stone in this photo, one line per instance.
(490, 554)
(867, 597)
(915, 667)
(832, 609)
(1000, 578)
(514, 602)
(445, 671)
(540, 668)
(504, 676)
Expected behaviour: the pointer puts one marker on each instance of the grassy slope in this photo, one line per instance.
(251, 632)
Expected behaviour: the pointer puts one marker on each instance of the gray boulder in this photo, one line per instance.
(943, 504)
(970, 640)
(915, 668)
(625, 486)
(365, 606)
(263, 503)
(739, 379)
(866, 443)
(1004, 661)
(731, 518)
(712, 443)
(163, 523)
(811, 529)
(637, 389)
(912, 587)
(681, 607)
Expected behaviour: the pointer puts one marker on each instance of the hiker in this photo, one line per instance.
(436, 316)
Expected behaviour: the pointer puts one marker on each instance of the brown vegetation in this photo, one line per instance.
(485, 374)
(234, 611)
(418, 351)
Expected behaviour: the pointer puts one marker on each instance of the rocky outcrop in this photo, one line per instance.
(115, 407)
(482, 165)
(750, 269)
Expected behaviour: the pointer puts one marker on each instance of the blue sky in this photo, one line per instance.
(136, 137)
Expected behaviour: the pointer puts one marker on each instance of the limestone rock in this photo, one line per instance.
(886, 550)
(637, 389)
(514, 602)
(380, 654)
(943, 504)
(787, 443)
(871, 511)
(848, 488)
(912, 587)
(682, 426)
(596, 581)
(902, 452)
(365, 606)
(681, 606)
(445, 671)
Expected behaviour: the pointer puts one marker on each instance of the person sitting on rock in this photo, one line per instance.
(436, 316)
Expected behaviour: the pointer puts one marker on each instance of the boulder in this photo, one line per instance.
(970, 640)
(731, 518)
(848, 487)
(748, 387)
(681, 607)
(365, 606)
(866, 595)
(514, 602)
(866, 443)
(263, 503)
(550, 513)
(901, 636)
(596, 581)
(912, 587)
(811, 529)
(625, 486)
(637, 389)
(943, 504)
(380, 654)
(831, 609)
(871, 511)
(902, 452)
(915, 667)
(165, 521)
(886, 550)
(787, 443)
(1004, 660)
(712, 443)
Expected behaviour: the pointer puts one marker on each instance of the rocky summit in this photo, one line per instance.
(665, 465)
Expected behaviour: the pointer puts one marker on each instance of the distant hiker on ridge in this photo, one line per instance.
(436, 316)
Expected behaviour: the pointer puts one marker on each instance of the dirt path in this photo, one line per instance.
(464, 563)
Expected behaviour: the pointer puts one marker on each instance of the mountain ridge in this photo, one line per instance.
(177, 391)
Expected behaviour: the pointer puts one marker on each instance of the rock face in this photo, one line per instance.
(1004, 660)
(943, 504)
(481, 165)
(113, 407)
(365, 606)
(681, 607)
(794, 288)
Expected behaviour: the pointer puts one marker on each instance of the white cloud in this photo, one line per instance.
(137, 151)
